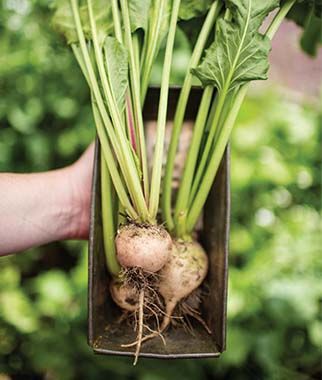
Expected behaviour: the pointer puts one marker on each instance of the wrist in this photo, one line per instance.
(77, 205)
(76, 195)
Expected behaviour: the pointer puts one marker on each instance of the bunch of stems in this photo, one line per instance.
(214, 122)
(126, 184)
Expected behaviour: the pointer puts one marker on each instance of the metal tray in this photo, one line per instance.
(105, 334)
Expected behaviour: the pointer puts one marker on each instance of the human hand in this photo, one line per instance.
(39, 208)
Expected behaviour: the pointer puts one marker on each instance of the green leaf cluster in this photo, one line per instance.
(139, 14)
(239, 53)
(193, 8)
(116, 47)
(116, 61)
(63, 20)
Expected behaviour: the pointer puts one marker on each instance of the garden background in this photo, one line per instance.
(275, 293)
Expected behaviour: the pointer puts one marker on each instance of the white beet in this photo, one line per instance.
(146, 247)
(185, 270)
(125, 296)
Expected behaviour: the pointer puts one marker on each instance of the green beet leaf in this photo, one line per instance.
(239, 53)
(63, 20)
(193, 8)
(312, 34)
(139, 14)
(116, 61)
(165, 20)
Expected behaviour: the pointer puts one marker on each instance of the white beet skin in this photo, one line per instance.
(184, 272)
(145, 247)
(125, 296)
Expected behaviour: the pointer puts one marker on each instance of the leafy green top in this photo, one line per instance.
(116, 61)
(239, 53)
(193, 8)
(63, 19)
(139, 14)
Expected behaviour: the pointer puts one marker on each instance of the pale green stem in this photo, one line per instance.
(130, 171)
(103, 123)
(216, 128)
(117, 21)
(150, 48)
(121, 217)
(119, 37)
(105, 145)
(162, 114)
(214, 161)
(112, 167)
(279, 17)
(180, 111)
(217, 120)
(210, 138)
(136, 49)
(225, 132)
(135, 88)
(80, 61)
(108, 211)
(190, 164)
(208, 124)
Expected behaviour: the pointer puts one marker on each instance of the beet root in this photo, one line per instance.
(185, 270)
(125, 296)
(143, 246)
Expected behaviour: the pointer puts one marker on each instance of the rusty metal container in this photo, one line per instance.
(105, 334)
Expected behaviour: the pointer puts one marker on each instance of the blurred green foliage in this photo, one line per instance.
(275, 294)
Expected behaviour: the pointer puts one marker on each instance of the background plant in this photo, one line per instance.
(274, 296)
